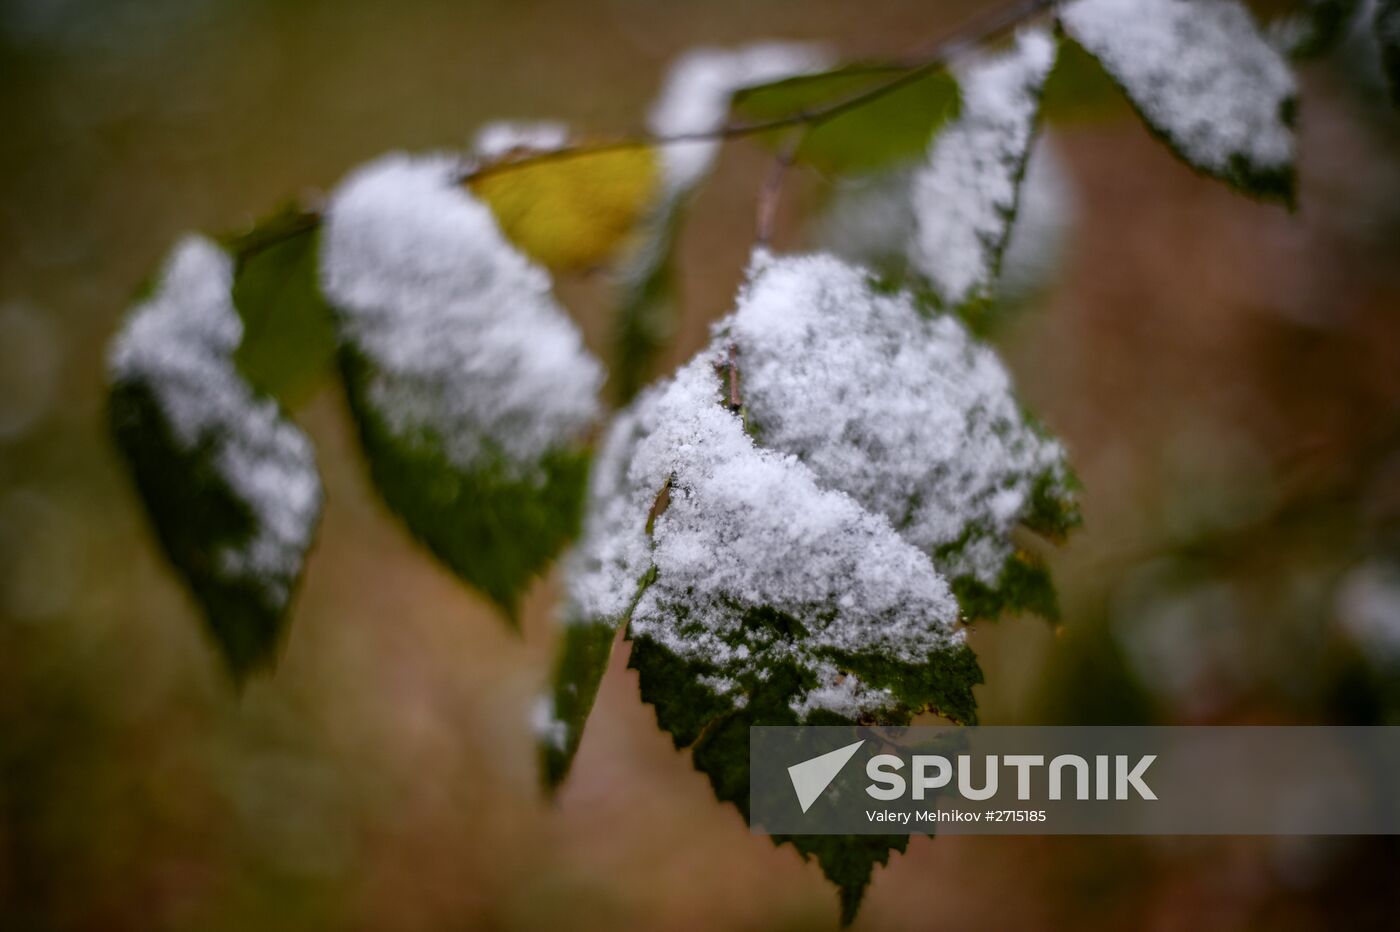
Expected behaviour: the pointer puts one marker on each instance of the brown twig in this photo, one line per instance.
(772, 189)
(729, 370)
(976, 30)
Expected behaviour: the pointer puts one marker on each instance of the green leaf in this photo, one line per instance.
(1023, 585)
(785, 512)
(1204, 80)
(581, 661)
(887, 129)
(288, 331)
(492, 525)
(967, 193)
(716, 728)
(773, 601)
(471, 388)
(230, 484)
(1387, 28)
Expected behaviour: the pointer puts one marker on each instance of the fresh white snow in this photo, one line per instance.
(603, 569)
(750, 528)
(881, 435)
(907, 413)
(1200, 71)
(965, 196)
(180, 342)
(466, 341)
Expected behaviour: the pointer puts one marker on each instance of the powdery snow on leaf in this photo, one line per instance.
(870, 221)
(230, 483)
(774, 601)
(758, 566)
(1203, 77)
(471, 386)
(908, 414)
(965, 197)
(769, 524)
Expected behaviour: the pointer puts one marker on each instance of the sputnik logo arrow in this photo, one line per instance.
(811, 777)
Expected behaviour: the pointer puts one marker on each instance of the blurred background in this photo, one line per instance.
(1226, 375)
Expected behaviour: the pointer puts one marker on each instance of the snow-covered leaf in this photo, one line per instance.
(288, 334)
(948, 224)
(758, 565)
(573, 211)
(871, 220)
(886, 130)
(230, 484)
(778, 525)
(694, 99)
(1204, 78)
(777, 601)
(472, 388)
(965, 196)
(906, 413)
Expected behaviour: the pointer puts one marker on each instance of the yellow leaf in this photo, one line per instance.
(570, 211)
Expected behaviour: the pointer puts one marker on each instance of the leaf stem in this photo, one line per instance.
(772, 190)
(728, 369)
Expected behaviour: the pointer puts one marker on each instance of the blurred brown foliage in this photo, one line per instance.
(1227, 376)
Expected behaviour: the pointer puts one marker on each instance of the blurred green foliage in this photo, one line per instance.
(893, 127)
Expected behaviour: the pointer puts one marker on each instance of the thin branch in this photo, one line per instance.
(972, 33)
(983, 27)
(969, 35)
(728, 369)
(263, 235)
(772, 189)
